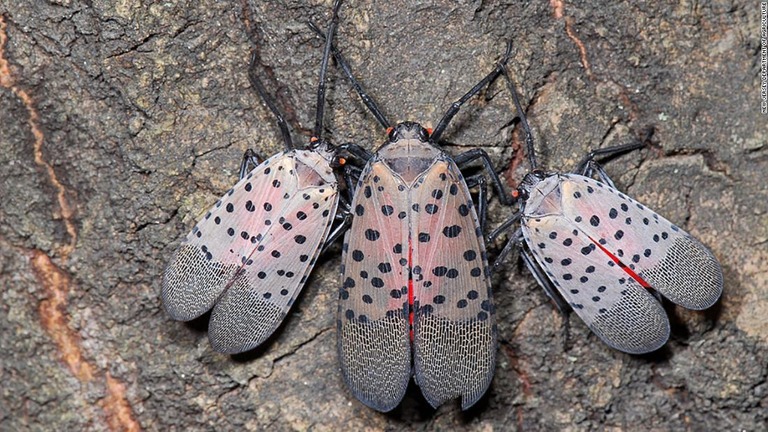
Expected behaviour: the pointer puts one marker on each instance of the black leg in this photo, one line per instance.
(481, 182)
(505, 226)
(337, 231)
(344, 199)
(454, 108)
(344, 65)
(354, 171)
(259, 86)
(360, 154)
(482, 202)
(344, 204)
(469, 156)
(352, 166)
(352, 177)
(587, 166)
(566, 333)
(344, 219)
(251, 160)
(323, 69)
(543, 280)
(594, 166)
(584, 167)
(523, 120)
(512, 244)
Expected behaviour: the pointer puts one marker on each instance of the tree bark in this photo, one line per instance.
(123, 122)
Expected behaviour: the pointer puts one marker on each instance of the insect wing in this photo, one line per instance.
(669, 259)
(454, 330)
(616, 307)
(373, 335)
(209, 257)
(258, 299)
(603, 250)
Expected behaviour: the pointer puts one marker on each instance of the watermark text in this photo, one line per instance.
(764, 57)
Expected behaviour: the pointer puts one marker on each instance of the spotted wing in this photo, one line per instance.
(373, 333)
(230, 251)
(614, 305)
(209, 257)
(673, 262)
(454, 329)
(257, 300)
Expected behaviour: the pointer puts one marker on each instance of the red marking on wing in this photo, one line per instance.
(626, 269)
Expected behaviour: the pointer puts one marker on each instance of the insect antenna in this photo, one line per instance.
(523, 120)
(344, 65)
(323, 70)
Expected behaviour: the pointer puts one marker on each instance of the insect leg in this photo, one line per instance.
(594, 166)
(251, 160)
(544, 281)
(511, 245)
(337, 231)
(481, 182)
(505, 226)
(469, 156)
(560, 304)
(353, 165)
(351, 177)
(587, 162)
(360, 155)
(344, 204)
(343, 215)
(454, 108)
(521, 114)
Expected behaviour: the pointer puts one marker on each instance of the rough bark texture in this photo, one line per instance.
(122, 122)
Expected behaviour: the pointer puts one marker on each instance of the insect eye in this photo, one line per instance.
(338, 162)
(391, 133)
(424, 134)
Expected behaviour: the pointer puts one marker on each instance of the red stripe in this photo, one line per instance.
(626, 269)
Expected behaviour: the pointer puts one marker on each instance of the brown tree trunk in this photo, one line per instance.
(122, 122)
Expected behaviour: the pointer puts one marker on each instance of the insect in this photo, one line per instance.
(607, 256)
(250, 255)
(416, 293)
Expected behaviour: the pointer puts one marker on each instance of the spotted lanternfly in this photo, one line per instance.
(416, 292)
(608, 256)
(250, 255)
